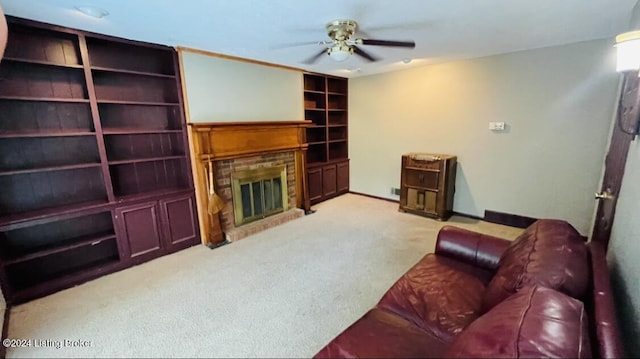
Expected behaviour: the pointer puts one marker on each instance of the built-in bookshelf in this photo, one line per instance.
(326, 106)
(94, 161)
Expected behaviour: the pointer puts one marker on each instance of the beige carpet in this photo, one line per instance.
(284, 292)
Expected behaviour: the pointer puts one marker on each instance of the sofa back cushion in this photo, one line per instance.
(550, 253)
(533, 323)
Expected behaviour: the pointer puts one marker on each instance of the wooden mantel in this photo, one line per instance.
(226, 140)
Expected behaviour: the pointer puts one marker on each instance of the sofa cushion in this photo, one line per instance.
(550, 253)
(380, 334)
(535, 322)
(439, 294)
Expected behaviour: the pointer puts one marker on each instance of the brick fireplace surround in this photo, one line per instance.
(223, 171)
(240, 146)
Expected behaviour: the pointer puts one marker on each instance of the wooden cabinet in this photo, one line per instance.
(342, 177)
(179, 221)
(139, 229)
(329, 185)
(315, 184)
(328, 180)
(152, 228)
(427, 184)
(326, 106)
(94, 164)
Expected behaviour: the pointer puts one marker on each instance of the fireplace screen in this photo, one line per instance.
(258, 193)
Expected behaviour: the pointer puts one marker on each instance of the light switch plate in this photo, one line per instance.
(496, 126)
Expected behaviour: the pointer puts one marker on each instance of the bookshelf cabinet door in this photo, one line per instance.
(179, 222)
(329, 185)
(342, 170)
(314, 176)
(138, 230)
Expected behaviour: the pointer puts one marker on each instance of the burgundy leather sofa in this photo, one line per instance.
(546, 294)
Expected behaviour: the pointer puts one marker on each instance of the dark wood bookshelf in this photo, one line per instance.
(171, 191)
(148, 159)
(67, 264)
(50, 168)
(94, 160)
(131, 72)
(71, 278)
(74, 243)
(35, 134)
(11, 221)
(44, 99)
(42, 62)
(142, 103)
(42, 81)
(325, 105)
(135, 131)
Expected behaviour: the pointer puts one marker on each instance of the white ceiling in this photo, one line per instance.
(443, 30)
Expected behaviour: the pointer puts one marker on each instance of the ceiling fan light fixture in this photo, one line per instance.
(628, 51)
(340, 52)
(92, 11)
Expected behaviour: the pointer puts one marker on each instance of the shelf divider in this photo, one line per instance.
(134, 131)
(89, 240)
(44, 133)
(49, 168)
(9, 221)
(131, 72)
(143, 103)
(41, 62)
(44, 99)
(148, 159)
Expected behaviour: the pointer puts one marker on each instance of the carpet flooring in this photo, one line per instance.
(284, 292)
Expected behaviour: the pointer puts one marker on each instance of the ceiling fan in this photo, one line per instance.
(343, 45)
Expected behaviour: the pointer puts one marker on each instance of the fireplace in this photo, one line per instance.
(258, 172)
(258, 193)
(248, 186)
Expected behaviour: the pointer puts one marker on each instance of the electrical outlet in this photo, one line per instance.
(395, 191)
(496, 126)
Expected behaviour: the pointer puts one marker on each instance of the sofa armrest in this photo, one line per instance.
(474, 248)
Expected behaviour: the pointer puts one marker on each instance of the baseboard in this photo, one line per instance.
(508, 219)
(471, 216)
(376, 197)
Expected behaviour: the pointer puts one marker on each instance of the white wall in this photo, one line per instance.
(624, 251)
(224, 90)
(557, 103)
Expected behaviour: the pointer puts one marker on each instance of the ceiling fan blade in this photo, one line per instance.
(409, 44)
(363, 53)
(315, 57)
(296, 44)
